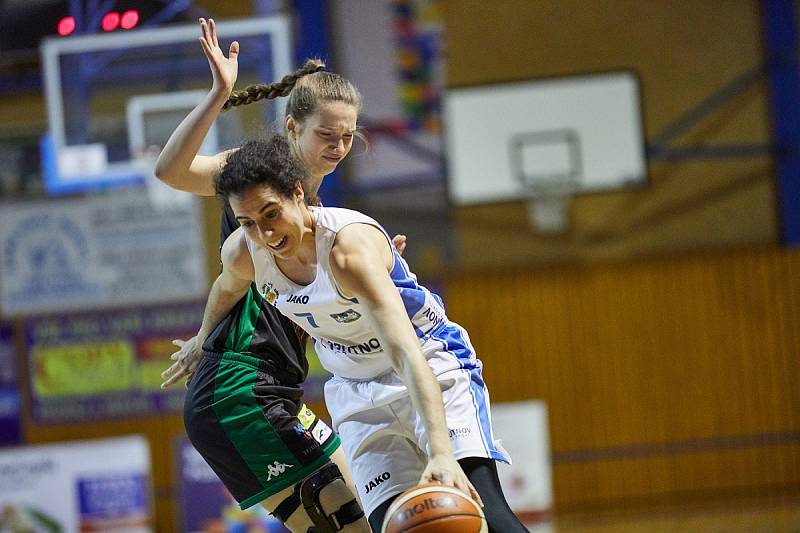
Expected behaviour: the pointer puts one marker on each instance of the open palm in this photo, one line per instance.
(224, 69)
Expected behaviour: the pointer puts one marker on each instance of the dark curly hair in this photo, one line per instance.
(260, 162)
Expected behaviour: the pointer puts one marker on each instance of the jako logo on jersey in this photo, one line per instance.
(269, 293)
(276, 469)
(377, 481)
(351, 315)
(295, 299)
(460, 432)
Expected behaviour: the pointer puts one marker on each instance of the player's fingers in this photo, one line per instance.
(178, 342)
(212, 29)
(171, 369)
(204, 29)
(171, 380)
(206, 49)
(233, 53)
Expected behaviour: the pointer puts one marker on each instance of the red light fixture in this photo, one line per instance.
(66, 26)
(129, 19)
(110, 21)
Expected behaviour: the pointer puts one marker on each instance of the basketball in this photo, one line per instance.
(433, 507)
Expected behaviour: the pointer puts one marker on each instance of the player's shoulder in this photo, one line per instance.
(234, 249)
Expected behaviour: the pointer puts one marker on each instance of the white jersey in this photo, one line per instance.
(344, 337)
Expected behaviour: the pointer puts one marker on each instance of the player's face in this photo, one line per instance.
(273, 221)
(325, 137)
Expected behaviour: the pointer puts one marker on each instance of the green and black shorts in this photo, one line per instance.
(252, 428)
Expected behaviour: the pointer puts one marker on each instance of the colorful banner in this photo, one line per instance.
(10, 427)
(113, 250)
(418, 27)
(87, 486)
(207, 507)
(94, 366)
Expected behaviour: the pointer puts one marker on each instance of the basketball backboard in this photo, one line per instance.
(551, 137)
(102, 89)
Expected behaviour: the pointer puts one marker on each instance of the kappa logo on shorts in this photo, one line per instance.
(351, 315)
(276, 469)
(376, 481)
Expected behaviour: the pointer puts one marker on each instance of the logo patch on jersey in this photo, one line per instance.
(297, 299)
(351, 315)
(269, 293)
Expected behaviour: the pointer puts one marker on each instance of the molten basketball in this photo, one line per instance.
(433, 507)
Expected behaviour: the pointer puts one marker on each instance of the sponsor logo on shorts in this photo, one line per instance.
(351, 315)
(295, 299)
(301, 430)
(276, 469)
(460, 432)
(321, 432)
(376, 481)
(427, 505)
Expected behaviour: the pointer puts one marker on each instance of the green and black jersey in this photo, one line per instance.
(243, 410)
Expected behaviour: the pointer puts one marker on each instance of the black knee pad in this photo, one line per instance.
(325, 520)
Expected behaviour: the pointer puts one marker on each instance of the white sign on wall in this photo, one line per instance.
(527, 484)
(95, 485)
(109, 250)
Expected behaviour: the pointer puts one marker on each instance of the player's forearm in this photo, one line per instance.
(220, 302)
(426, 396)
(408, 361)
(175, 159)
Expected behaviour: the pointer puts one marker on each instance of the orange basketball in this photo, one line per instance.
(433, 507)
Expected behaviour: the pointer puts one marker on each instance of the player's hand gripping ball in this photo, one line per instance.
(433, 507)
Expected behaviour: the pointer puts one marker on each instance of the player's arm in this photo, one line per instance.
(361, 260)
(229, 287)
(178, 165)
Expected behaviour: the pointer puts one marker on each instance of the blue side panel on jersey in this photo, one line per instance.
(413, 295)
(455, 343)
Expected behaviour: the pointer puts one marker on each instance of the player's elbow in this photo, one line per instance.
(162, 172)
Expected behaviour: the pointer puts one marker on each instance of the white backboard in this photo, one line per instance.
(507, 141)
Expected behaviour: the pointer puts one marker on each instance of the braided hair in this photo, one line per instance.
(306, 88)
(260, 91)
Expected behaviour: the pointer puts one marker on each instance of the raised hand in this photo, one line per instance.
(186, 360)
(224, 69)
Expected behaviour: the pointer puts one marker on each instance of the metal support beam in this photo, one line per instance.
(781, 49)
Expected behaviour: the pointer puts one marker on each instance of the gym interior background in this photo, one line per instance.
(661, 327)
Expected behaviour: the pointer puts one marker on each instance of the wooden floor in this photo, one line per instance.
(734, 516)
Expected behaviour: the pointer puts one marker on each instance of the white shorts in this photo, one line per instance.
(386, 444)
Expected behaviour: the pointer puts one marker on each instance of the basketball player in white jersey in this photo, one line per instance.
(407, 396)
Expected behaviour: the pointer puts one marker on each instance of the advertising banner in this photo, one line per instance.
(207, 507)
(112, 250)
(85, 486)
(10, 429)
(94, 366)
